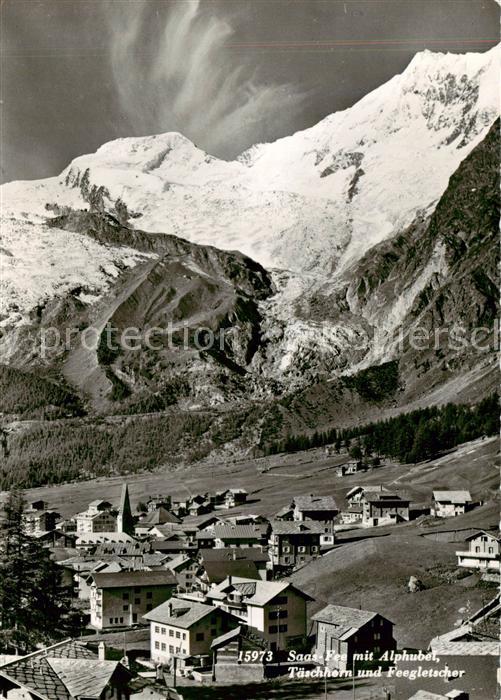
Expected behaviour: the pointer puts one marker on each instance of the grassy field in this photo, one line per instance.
(473, 466)
(372, 571)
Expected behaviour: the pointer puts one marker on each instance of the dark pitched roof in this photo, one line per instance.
(345, 621)
(160, 516)
(134, 578)
(217, 571)
(37, 676)
(63, 671)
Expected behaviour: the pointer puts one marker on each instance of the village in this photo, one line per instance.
(182, 594)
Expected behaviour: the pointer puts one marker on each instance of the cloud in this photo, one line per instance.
(173, 70)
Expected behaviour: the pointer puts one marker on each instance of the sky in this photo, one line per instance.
(225, 73)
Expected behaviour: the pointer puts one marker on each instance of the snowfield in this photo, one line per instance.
(311, 203)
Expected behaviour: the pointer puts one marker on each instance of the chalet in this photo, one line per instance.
(97, 518)
(228, 650)
(38, 520)
(174, 544)
(64, 671)
(195, 508)
(320, 509)
(90, 540)
(185, 569)
(349, 468)
(342, 632)
(384, 509)
(229, 535)
(293, 544)
(275, 609)
(448, 504)
(186, 629)
(358, 494)
(352, 515)
(212, 573)
(235, 497)
(483, 553)
(205, 539)
(159, 516)
(285, 513)
(255, 555)
(121, 599)
(158, 501)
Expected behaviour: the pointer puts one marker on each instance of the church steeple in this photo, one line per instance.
(125, 521)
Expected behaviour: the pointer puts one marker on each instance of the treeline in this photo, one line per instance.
(410, 437)
(30, 396)
(53, 453)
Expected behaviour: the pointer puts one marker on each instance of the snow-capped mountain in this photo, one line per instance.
(310, 207)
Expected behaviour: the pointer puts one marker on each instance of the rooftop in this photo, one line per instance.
(287, 527)
(180, 613)
(311, 502)
(346, 620)
(65, 671)
(160, 516)
(123, 579)
(257, 593)
(225, 553)
(458, 497)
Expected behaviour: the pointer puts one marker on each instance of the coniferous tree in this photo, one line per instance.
(34, 606)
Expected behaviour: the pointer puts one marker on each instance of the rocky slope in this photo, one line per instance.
(378, 219)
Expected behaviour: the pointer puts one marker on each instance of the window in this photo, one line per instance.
(491, 550)
(178, 635)
(163, 647)
(149, 606)
(213, 632)
(171, 649)
(157, 629)
(149, 595)
(137, 589)
(377, 650)
(125, 608)
(111, 620)
(287, 550)
(171, 633)
(314, 549)
(276, 614)
(377, 635)
(213, 619)
(164, 630)
(125, 596)
(477, 549)
(200, 637)
(301, 549)
(137, 601)
(283, 628)
(178, 649)
(272, 629)
(157, 645)
(184, 635)
(280, 600)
